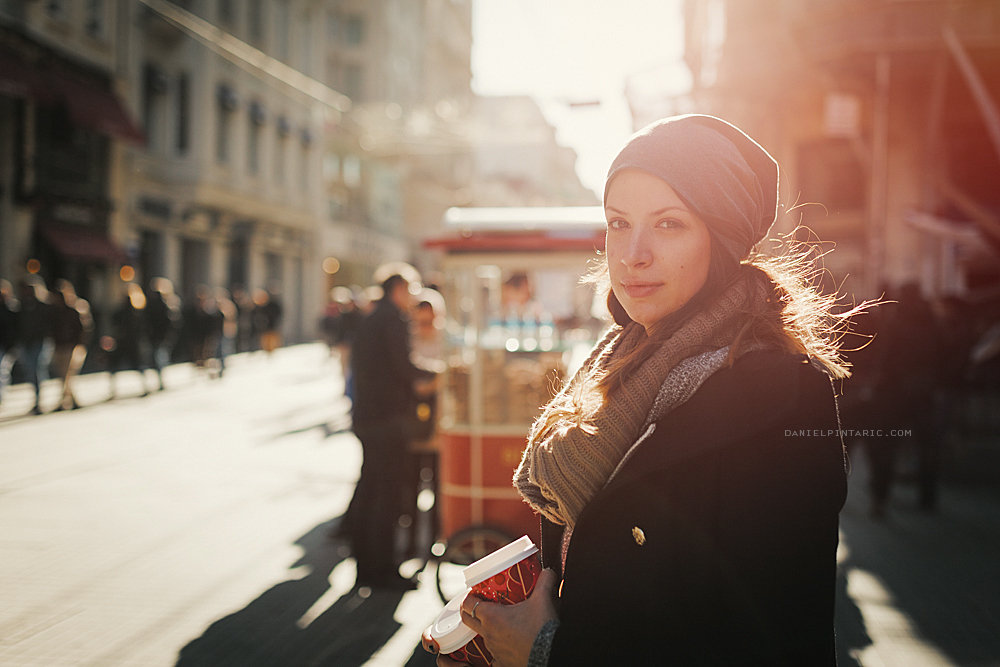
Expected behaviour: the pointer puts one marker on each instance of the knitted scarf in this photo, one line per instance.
(568, 462)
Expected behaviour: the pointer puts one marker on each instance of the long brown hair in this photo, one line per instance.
(799, 317)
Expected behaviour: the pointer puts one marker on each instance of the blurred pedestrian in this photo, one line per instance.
(35, 335)
(267, 317)
(73, 327)
(953, 364)
(246, 333)
(427, 353)
(130, 342)
(227, 323)
(910, 349)
(328, 324)
(163, 324)
(10, 307)
(385, 378)
(198, 325)
(348, 323)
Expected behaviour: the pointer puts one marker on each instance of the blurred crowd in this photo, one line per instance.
(919, 370)
(49, 331)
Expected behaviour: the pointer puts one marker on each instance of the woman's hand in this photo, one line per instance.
(509, 630)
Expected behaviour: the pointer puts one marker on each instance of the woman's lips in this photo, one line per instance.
(640, 290)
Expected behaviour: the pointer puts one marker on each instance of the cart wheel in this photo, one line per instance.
(465, 547)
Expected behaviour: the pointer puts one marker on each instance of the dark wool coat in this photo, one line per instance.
(383, 372)
(716, 542)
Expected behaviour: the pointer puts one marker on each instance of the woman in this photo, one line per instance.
(690, 476)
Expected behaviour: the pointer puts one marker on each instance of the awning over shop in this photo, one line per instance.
(91, 102)
(82, 244)
(100, 110)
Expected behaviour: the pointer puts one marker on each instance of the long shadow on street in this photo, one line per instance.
(927, 582)
(269, 631)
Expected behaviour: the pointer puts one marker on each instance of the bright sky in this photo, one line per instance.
(558, 51)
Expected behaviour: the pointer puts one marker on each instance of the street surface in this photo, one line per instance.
(190, 528)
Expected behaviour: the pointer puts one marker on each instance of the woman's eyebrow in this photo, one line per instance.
(659, 212)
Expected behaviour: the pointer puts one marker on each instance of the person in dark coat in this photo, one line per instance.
(268, 312)
(197, 313)
(9, 310)
(163, 323)
(346, 330)
(35, 335)
(246, 334)
(690, 476)
(72, 331)
(910, 347)
(226, 326)
(385, 380)
(129, 325)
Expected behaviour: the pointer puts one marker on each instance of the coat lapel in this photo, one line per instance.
(733, 404)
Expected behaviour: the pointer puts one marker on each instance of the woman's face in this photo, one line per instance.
(658, 250)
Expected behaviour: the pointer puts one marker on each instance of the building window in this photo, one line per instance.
(227, 104)
(255, 11)
(258, 116)
(95, 18)
(227, 12)
(280, 159)
(305, 45)
(154, 86)
(283, 129)
(281, 30)
(304, 174)
(354, 30)
(353, 82)
(253, 149)
(183, 113)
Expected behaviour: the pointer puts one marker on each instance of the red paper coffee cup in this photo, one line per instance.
(449, 635)
(508, 575)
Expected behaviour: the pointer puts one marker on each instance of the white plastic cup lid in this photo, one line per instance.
(499, 560)
(448, 631)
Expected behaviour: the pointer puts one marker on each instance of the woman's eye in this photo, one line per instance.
(670, 223)
(617, 224)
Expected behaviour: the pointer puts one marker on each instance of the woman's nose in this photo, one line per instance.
(636, 252)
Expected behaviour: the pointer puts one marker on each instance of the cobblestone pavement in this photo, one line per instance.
(191, 527)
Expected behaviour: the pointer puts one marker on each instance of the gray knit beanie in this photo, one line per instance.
(723, 175)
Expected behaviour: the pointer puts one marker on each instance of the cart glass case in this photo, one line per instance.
(515, 332)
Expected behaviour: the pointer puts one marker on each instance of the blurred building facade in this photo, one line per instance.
(226, 191)
(64, 123)
(407, 68)
(187, 139)
(418, 140)
(516, 159)
(885, 113)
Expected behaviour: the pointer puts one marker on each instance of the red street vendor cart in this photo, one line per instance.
(519, 322)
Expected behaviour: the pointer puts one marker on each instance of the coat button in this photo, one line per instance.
(640, 537)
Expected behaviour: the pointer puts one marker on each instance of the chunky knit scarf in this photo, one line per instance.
(568, 462)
